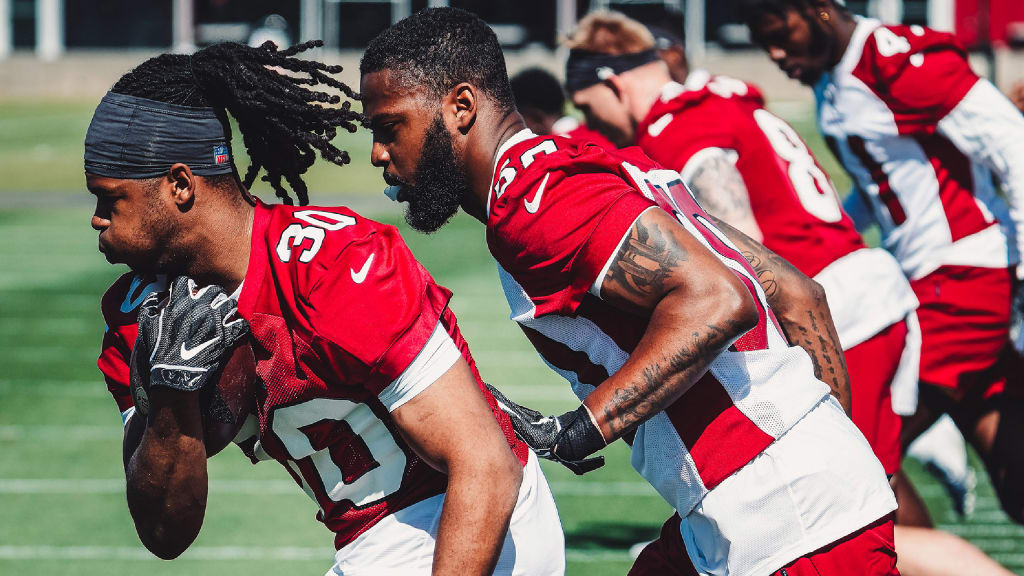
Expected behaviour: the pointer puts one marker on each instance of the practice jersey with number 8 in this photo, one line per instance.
(339, 309)
(792, 199)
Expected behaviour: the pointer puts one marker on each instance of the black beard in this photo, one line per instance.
(440, 182)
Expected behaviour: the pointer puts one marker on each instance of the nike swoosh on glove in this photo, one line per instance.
(567, 439)
(184, 341)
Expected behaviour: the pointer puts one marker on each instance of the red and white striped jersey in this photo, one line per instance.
(346, 327)
(921, 135)
(558, 210)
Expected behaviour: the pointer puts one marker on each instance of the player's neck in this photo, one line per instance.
(647, 84)
(480, 157)
(223, 244)
(844, 26)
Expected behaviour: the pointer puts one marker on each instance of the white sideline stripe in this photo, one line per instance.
(232, 553)
(116, 486)
(61, 433)
(972, 531)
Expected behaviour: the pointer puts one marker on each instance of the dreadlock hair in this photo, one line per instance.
(437, 48)
(283, 121)
(537, 88)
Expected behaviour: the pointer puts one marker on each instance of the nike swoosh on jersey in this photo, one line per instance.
(533, 205)
(187, 354)
(358, 277)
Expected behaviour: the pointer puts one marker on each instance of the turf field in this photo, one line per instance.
(62, 504)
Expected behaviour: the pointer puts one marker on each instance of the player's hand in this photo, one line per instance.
(567, 439)
(183, 342)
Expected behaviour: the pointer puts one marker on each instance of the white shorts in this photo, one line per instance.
(403, 543)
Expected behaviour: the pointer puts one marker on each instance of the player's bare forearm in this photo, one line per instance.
(696, 308)
(451, 426)
(800, 306)
(166, 472)
(477, 509)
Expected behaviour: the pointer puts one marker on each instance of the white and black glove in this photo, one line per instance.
(567, 439)
(183, 342)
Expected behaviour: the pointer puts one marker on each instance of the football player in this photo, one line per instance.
(368, 395)
(750, 168)
(921, 135)
(648, 308)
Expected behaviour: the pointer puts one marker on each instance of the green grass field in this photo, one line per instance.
(61, 482)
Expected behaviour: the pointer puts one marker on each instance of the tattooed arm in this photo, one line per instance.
(719, 188)
(696, 308)
(800, 306)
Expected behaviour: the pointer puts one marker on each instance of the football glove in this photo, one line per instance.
(567, 439)
(183, 342)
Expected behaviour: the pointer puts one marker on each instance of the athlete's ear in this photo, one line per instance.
(463, 103)
(617, 85)
(183, 184)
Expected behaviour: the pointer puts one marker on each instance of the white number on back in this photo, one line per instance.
(812, 186)
(295, 235)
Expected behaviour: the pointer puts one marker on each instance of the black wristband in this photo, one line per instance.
(579, 437)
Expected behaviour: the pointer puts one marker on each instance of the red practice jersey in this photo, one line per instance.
(921, 136)
(558, 210)
(793, 201)
(339, 308)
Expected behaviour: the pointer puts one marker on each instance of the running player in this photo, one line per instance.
(627, 289)
(369, 396)
(921, 136)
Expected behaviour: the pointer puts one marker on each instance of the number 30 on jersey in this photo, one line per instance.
(296, 235)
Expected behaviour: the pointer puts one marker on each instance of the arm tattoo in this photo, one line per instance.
(765, 273)
(632, 405)
(644, 262)
(720, 190)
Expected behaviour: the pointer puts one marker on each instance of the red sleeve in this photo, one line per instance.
(555, 244)
(374, 308)
(920, 74)
(120, 305)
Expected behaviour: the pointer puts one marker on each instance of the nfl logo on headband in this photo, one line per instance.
(220, 154)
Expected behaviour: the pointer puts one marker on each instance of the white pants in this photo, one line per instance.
(403, 543)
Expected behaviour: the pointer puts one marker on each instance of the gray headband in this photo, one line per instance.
(131, 137)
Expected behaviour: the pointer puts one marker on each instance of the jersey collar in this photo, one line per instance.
(865, 26)
(516, 138)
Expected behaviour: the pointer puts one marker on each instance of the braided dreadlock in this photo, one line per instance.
(283, 123)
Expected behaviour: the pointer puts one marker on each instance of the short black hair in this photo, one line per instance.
(538, 89)
(283, 122)
(752, 10)
(439, 48)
